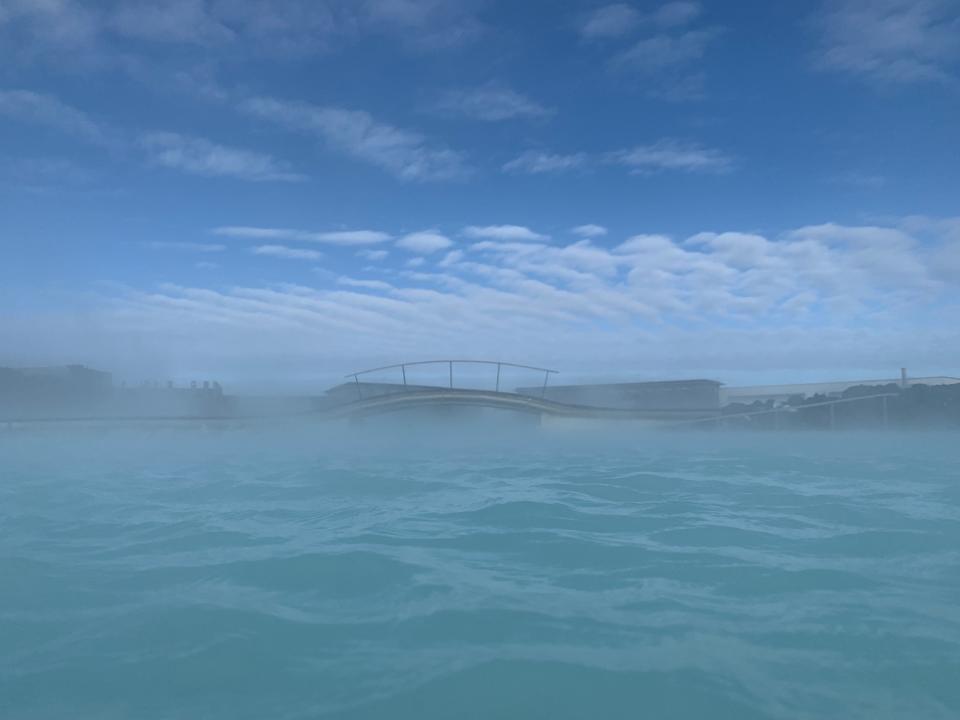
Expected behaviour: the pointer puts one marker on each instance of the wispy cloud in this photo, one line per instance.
(619, 19)
(198, 156)
(610, 21)
(365, 284)
(406, 154)
(537, 162)
(663, 155)
(502, 232)
(173, 21)
(663, 52)
(667, 45)
(187, 246)
(890, 41)
(287, 253)
(46, 110)
(255, 233)
(672, 155)
(589, 230)
(822, 294)
(869, 181)
(336, 237)
(375, 255)
(349, 237)
(492, 103)
(677, 13)
(424, 243)
(105, 33)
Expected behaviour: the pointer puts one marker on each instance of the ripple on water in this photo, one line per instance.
(692, 576)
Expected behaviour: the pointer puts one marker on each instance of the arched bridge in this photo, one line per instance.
(361, 398)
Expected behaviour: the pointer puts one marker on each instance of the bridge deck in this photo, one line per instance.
(439, 397)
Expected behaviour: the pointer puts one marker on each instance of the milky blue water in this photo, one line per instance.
(305, 573)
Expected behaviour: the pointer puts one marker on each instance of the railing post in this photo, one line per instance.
(498, 377)
(356, 379)
(451, 374)
(546, 376)
(403, 369)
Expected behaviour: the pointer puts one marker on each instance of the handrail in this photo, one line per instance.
(437, 362)
(499, 363)
(791, 408)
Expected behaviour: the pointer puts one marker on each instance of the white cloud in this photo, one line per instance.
(415, 262)
(621, 19)
(660, 53)
(375, 255)
(823, 296)
(492, 103)
(610, 21)
(257, 233)
(502, 232)
(41, 109)
(677, 13)
(348, 237)
(589, 230)
(535, 162)
(891, 41)
(337, 237)
(425, 242)
(287, 253)
(177, 21)
(673, 155)
(105, 33)
(189, 246)
(198, 156)
(868, 181)
(366, 284)
(423, 24)
(451, 258)
(406, 154)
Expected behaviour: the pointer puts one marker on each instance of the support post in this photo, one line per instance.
(546, 376)
(451, 374)
(356, 379)
(498, 377)
(403, 369)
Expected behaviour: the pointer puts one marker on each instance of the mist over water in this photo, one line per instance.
(407, 571)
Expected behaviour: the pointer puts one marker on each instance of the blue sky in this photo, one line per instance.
(274, 192)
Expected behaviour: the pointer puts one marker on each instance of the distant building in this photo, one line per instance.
(61, 391)
(665, 395)
(782, 393)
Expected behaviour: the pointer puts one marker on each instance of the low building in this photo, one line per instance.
(781, 393)
(58, 391)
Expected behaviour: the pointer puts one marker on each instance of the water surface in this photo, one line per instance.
(309, 573)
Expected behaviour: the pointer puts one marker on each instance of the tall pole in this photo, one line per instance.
(498, 377)
(403, 369)
(546, 376)
(356, 379)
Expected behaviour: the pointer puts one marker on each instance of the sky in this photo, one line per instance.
(275, 194)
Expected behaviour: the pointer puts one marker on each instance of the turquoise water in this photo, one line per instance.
(533, 574)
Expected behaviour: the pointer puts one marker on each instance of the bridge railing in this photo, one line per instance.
(450, 366)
